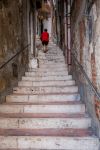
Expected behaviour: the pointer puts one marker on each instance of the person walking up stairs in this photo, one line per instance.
(45, 40)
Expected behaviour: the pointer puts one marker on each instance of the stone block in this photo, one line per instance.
(33, 63)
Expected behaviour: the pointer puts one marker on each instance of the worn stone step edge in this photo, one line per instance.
(46, 94)
(46, 84)
(54, 63)
(47, 142)
(45, 56)
(47, 132)
(46, 74)
(52, 67)
(42, 115)
(43, 98)
(46, 78)
(46, 70)
(45, 103)
(32, 74)
(45, 90)
(50, 77)
(51, 56)
(79, 108)
(44, 123)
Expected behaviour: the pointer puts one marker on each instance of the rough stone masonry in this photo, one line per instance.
(85, 21)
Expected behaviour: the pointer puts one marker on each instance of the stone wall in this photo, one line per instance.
(13, 38)
(85, 44)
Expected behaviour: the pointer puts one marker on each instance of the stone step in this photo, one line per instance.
(51, 55)
(46, 73)
(55, 55)
(59, 61)
(52, 66)
(49, 142)
(42, 115)
(56, 72)
(44, 123)
(41, 62)
(43, 98)
(51, 52)
(52, 62)
(54, 51)
(51, 59)
(47, 60)
(46, 103)
(45, 90)
(48, 83)
(47, 132)
(48, 69)
(48, 78)
(15, 108)
(56, 65)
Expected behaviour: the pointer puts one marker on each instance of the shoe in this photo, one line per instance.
(45, 50)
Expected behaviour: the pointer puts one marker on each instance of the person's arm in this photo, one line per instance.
(48, 37)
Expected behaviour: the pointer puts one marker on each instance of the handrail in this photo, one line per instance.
(97, 94)
(13, 57)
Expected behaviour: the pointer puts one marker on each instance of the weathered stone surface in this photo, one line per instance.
(86, 46)
(2, 84)
(46, 121)
(13, 38)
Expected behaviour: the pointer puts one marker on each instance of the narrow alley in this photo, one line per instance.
(49, 99)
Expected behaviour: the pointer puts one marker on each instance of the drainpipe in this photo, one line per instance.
(34, 29)
(69, 33)
(32, 32)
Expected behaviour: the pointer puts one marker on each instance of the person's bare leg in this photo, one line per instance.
(46, 48)
(43, 48)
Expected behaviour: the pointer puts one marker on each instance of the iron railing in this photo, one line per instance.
(2, 66)
(93, 88)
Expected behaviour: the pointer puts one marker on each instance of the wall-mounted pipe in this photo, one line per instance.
(69, 32)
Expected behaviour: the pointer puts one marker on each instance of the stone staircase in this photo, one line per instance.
(45, 111)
